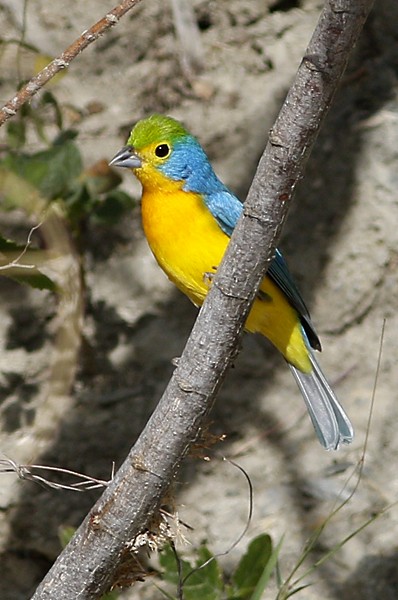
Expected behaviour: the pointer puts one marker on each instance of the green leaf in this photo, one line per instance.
(28, 168)
(198, 583)
(49, 98)
(168, 562)
(65, 534)
(206, 583)
(53, 171)
(16, 192)
(31, 275)
(100, 178)
(39, 123)
(78, 204)
(64, 167)
(9, 246)
(251, 566)
(112, 208)
(64, 136)
(16, 133)
(267, 572)
(113, 595)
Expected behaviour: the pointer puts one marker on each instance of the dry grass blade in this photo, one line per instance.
(84, 483)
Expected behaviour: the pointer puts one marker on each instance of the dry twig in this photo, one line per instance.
(83, 483)
(63, 60)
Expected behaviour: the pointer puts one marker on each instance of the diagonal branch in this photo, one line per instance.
(85, 569)
(63, 60)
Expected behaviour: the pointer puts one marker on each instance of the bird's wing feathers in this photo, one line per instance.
(279, 272)
(226, 209)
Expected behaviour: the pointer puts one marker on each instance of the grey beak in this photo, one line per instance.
(126, 157)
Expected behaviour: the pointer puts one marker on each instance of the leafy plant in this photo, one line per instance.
(205, 580)
(57, 174)
(29, 273)
(53, 177)
(34, 115)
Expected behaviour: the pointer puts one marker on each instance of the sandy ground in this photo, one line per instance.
(341, 241)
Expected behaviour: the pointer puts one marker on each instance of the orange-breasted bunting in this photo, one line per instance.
(188, 216)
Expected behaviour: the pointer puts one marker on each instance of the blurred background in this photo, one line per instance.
(82, 370)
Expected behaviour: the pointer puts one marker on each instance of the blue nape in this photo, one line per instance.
(189, 163)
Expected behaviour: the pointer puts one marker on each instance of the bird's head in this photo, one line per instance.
(161, 145)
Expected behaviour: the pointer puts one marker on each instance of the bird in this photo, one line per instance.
(188, 216)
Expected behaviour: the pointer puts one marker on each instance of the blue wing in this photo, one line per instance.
(279, 272)
(226, 209)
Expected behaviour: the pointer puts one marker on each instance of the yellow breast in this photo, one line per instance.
(188, 244)
(183, 235)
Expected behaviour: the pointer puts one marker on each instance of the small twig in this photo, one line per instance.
(8, 465)
(63, 60)
(15, 262)
(181, 582)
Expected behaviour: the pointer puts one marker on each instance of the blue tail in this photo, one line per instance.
(330, 422)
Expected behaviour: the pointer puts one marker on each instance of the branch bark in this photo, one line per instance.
(86, 567)
(63, 60)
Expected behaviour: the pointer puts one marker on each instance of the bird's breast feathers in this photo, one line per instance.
(189, 244)
(183, 235)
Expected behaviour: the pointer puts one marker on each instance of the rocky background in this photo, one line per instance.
(341, 241)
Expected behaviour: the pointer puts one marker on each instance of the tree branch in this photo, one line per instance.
(86, 567)
(63, 61)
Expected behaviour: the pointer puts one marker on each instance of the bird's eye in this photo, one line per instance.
(162, 150)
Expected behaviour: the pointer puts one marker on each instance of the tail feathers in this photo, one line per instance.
(330, 422)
